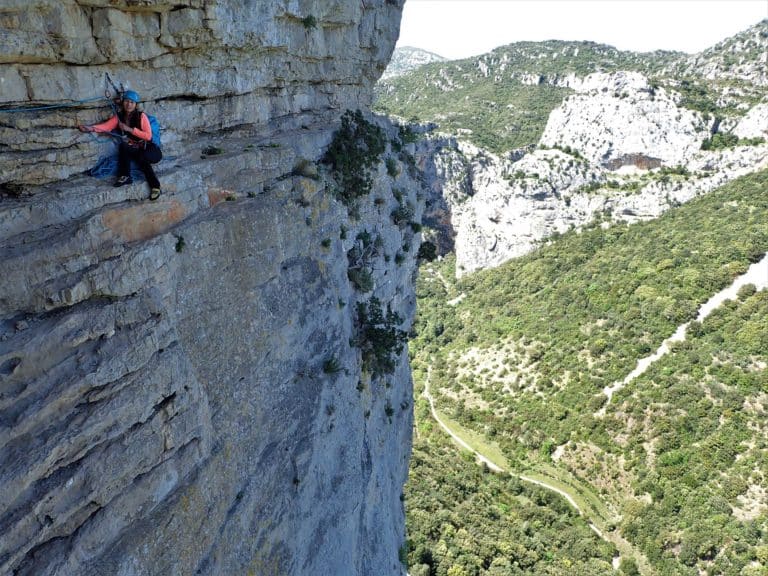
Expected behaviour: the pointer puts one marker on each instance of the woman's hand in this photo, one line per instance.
(84, 128)
(124, 127)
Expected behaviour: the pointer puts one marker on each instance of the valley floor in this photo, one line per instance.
(462, 437)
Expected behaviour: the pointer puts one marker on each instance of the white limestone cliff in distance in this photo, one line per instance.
(407, 58)
(617, 115)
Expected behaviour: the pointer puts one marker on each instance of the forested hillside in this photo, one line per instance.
(614, 193)
(521, 355)
(501, 100)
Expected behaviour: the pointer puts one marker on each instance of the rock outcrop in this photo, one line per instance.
(181, 382)
(741, 57)
(754, 124)
(621, 114)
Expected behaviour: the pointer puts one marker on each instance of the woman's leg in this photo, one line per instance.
(124, 153)
(146, 167)
(153, 153)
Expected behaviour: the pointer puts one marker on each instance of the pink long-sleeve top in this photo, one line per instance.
(144, 133)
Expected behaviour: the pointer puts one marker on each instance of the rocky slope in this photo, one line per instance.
(181, 382)
(613, 116)
(743, 56)
(489, 209)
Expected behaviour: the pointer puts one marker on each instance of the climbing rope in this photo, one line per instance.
(107, 164)
(107, 83)
(108, 80)
(52, 106)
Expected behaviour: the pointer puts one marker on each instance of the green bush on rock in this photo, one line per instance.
(355, 149)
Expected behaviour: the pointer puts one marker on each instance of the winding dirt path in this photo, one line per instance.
(488, 462)
(492, 465)
(623, 545)
(756, 274)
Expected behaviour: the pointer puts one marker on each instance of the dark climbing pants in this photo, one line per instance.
(144, 158)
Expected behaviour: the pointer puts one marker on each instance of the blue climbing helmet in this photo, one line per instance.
(131, 95)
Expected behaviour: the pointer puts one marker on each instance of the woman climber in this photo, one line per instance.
(137, 143)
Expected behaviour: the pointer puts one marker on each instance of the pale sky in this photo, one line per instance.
(461, 28)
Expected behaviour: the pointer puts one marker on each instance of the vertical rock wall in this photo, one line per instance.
(181, 389)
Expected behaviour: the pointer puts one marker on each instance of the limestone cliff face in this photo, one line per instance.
(201, 66)
(490, 209)
(754, 124)
(181, 385)
(617, 115)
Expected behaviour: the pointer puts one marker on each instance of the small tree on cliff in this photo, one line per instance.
(356, 148)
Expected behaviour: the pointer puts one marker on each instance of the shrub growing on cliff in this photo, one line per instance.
(331, 365)
(355, 149)
(359, 257)
(406, 134)
(309, 22)
(427, 251)
(392, 168)
(402, 214)
(379, 338)
(361, 278)
(720, 140)
(728, 140)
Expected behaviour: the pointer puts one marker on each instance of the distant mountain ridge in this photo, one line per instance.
(407, 58)
(743, 56)
(501, 100)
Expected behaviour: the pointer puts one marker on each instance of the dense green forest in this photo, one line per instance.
(678, 457)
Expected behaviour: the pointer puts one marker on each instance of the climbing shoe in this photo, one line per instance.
(123, 180)
(154, 194)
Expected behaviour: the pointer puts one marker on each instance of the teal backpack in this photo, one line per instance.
(155, 125)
